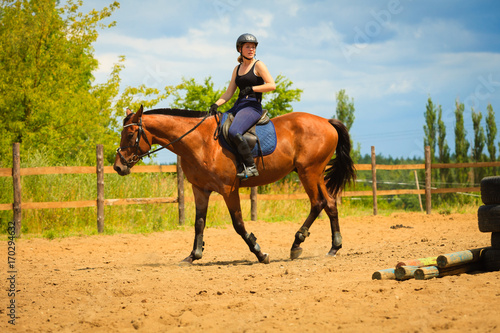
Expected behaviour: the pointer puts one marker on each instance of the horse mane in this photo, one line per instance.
(171, 112)
(177, 112)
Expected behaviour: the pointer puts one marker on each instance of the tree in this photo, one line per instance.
(280, 101)
(444, 149)
(345, 109)
(430, 127)
(479, 141)
(199, 97)
(461, 143)
(47, 100)
(491, 133)
(345, 113)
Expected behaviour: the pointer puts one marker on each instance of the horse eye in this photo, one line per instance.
(130, 136)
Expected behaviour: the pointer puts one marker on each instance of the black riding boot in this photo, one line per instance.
(249, 167)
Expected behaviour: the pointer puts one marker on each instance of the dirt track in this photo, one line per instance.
(125, 283)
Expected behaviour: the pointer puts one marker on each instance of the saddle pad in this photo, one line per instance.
(266, 134)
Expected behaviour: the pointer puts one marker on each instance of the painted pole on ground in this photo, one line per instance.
(405, 272)
(430, 261)
(460, 258)
(384, 274)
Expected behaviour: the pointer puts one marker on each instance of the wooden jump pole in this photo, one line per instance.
(100, 187)
(180, 191)
(16, 182)
(374, 181)
(428, 179)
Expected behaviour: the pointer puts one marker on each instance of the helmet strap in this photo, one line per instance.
(245, 57)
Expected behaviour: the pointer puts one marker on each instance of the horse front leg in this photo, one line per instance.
(201, 198)
(234, 206)
(303, 232)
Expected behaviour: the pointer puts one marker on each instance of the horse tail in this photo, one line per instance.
(341, 171)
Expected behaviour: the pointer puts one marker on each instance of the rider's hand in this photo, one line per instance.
(247, 91)
(213, 109)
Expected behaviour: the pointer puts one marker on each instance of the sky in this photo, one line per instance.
(389, 56)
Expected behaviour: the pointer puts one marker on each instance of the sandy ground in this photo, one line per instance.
(124, 283)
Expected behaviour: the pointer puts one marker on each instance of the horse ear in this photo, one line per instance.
(135, 117)
(129, 111)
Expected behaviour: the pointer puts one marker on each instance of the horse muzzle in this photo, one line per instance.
(121, 169)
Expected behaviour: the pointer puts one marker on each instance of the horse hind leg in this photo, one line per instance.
(318, 203)
(332, 212)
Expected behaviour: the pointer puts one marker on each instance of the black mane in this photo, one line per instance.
(178, 112)
(171, 112)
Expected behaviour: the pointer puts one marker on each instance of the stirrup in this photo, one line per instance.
(251, 171)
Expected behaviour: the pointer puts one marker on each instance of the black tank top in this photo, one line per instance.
(249, 80)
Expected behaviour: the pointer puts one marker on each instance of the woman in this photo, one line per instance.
(252, 78)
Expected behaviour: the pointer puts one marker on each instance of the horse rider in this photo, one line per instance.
(252, 78)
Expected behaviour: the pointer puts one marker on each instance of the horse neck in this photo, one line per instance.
(165, 129)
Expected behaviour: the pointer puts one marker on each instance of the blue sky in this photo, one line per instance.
(390, 56)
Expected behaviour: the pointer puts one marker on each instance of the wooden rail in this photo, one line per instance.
(17, 206)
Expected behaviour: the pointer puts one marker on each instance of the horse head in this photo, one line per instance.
(134, 143)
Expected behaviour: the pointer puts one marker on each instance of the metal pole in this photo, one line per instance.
(374, 181)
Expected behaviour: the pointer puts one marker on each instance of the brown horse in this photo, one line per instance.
(306, 144)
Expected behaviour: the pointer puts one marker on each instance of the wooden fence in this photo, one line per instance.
(17, 206)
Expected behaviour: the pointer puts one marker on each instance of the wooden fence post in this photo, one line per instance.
(374, 181)
(428, 179)
(180, 191)
(253, 203)
(16, 181)
(100, 187)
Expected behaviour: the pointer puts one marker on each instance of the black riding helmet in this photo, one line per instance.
(245, 38)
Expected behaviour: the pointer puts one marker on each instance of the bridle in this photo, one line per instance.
(138, 155)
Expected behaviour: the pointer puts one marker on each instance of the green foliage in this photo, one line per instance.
(345, 113)
(479, 137)
(461, 143)
(491, 133)
(479, 142)
(279, 101)
(46, 95)
(345, 109)
(191, 95)
(430, 127)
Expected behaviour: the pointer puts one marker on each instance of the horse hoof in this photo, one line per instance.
(295, 253)
(265, 260)
(332, 253)
(186, 262)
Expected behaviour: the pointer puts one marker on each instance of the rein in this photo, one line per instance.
(137, 155)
